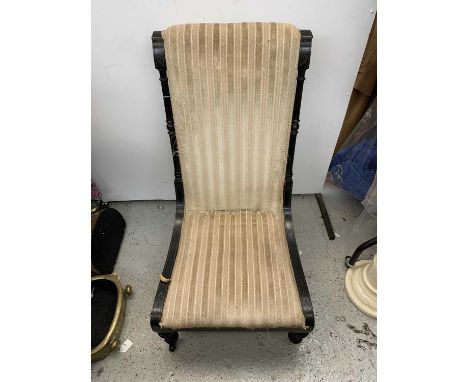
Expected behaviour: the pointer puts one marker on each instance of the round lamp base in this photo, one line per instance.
(361, 286)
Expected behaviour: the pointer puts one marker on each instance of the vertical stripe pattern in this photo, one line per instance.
(232, 90)
(233, 270)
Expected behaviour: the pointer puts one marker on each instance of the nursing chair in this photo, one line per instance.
(232, 95)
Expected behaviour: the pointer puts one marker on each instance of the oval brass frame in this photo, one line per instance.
(111, 340)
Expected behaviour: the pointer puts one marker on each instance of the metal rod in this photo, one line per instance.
(325, 217)
(351, 260)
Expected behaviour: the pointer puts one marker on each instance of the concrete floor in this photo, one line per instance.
(342, 347)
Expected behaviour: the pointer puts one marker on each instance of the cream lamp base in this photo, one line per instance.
(361, 286)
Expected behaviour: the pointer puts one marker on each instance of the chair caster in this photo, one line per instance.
(296, 338)
(170, 338)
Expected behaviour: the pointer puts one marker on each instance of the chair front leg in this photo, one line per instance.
(171, 338)
(296, 338)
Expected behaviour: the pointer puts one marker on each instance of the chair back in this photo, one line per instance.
(232, 88)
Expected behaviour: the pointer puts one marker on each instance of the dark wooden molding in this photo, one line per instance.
(304, 50)
(161, 293)
(304, 296)
(158, 51)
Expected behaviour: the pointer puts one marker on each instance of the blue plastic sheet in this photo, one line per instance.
(354, 166)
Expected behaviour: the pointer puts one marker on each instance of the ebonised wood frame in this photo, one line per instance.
(295, 335)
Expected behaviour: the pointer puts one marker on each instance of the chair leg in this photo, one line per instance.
(170, 338)
(296, 338)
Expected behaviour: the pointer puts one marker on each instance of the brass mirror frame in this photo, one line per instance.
(112, 340)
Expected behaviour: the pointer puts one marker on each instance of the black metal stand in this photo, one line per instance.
(325, 217)
(351, 260)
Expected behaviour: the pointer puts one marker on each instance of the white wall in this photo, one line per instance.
(131, 157)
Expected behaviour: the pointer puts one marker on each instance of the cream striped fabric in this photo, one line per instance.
(232, 270)
(232, 90)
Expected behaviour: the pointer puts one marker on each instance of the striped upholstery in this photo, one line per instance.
(232, 90)
(232, 270)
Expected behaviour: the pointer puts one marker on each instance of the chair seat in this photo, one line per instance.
(232, 270)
